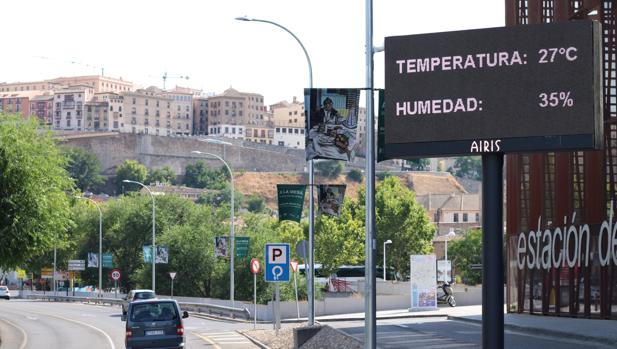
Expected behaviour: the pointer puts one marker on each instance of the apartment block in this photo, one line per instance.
(42, 107)
(200, 115)
(69, 107)
(182, 112)
(288, 119)
(148, 111)
(97, 82)
(16, 102)
(233, 109)
(104, 112)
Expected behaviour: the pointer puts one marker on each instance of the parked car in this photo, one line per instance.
(136, 295)
(5, 293)
(154, 323)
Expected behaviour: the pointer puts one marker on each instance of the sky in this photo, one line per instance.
(141, 40)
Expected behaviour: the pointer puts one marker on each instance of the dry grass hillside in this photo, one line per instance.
(264, 184)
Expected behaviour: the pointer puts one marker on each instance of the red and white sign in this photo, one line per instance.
(172, 274)
(115, 274)
(255, 265)
(294, 266)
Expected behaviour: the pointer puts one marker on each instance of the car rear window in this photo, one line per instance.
(3, 288)
(144, 295)
(154, 312)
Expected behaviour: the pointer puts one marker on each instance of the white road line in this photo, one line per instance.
(207, 340)
(23, 333)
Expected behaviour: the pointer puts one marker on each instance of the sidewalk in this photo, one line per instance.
(590, 330)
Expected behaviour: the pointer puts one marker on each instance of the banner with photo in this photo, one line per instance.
(93, 260)
(330, 199)
(221, 246)
(290, 201)
(162, 255)
(331, 123)
(147, 253)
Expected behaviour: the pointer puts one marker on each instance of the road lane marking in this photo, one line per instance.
(207, 340)
(23, 333)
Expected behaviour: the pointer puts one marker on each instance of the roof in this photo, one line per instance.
(450, 202)
(42, 98)
(422, 182)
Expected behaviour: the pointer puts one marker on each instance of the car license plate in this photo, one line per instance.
(155, 333)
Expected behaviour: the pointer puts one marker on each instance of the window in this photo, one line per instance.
(146, 104)
(284, 130)
(477, 217)
(157, 104)
(465, 217)
(233, 130)
(226, 129)
(133, 111)
(296, 131)
(134, 102)
(115, 124)
(455, 218)
(278, 129)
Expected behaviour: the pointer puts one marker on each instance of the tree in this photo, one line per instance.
(329, 168)
(355, 175)
(417, 164)
(256, 204)
(162, 175)
(130, 170)
(35, 210)
(200, 175)
(398, 217)
(468, 167)
(467, 251)
(84, 167)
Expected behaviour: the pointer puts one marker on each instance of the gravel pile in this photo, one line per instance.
(326, 338)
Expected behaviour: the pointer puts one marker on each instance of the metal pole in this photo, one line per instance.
(445, 264)
(370, 323)
(384, 261)
(310, 274)
(100, 250)
(54, 276)
(278, 308)
(255, 300)
(492, 261)
(172, 288)
(296, 287)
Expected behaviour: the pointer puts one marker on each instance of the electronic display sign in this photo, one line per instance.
(514, 89)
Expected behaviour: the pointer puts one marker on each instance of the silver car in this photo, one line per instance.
(5, 293)
(136, 295)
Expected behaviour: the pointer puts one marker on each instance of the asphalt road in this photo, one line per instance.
(28, 324)
(440, 333)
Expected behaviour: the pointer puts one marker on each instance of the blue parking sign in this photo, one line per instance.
(277, 263)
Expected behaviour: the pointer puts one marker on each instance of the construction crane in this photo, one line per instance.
(72, 62)
(165, 77)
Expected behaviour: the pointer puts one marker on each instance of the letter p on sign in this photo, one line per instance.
(277, 255)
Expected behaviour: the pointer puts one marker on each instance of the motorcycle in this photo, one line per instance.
(447, 296)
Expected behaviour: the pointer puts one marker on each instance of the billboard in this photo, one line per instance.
(498, 90)
(330, 199)
(422, 277)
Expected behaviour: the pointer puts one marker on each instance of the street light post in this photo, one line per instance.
(232, 231)
(311, 239)
(100, 243)
(384, 258)
(449, 236)
(153, 232)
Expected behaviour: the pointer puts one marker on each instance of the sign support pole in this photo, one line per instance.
(492, 255)
(172, 288)
(277, 302)
(255, 300)
(296, 287)
(115, 289)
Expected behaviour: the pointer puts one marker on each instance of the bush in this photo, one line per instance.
(256, 204)
(329, 168)
(355, 175)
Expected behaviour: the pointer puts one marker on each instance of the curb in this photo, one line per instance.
(347, 335)
(404, 316)
(255, 341)
(544, 332)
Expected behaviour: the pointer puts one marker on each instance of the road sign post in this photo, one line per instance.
(255, 266)
(172, 275)
(277, 270)
(294, 268)
(115, 275)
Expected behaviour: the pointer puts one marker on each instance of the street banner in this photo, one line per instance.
(444, 270)
(330, 199)
(107, 260)
(93, 260)
(423, 282)
(77, 264)
(381, 127)
(290, 201)
(147, 249)
(331, 123)
(242, 245)
(221, 244)
(162, 255)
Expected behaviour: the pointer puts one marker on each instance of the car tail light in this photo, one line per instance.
(180, 329)
(129, 333)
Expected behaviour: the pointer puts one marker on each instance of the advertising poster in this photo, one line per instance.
(332, 123)
(162, 255)
(147, 253)
(330, 199)
(444, 270)
(221, 244)
(290, 201)
(423, 282)
(93, 260)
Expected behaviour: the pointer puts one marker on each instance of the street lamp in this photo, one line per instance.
(384, 258)
(153, 232)
(450, 235)
(311, 239)
(232, 232)
(100, 243)
(216, 141)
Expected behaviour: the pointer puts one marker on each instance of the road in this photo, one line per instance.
(440, 333)
(26, 324)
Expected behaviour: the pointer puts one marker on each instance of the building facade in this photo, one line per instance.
(182, 111)
(97, 82)
(69, 107)
(43, 108)
(288, 119)
(233, 111)
(147, 111)
(560, 207)
(200, 116)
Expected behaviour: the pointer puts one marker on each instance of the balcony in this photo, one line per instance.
(68, 105)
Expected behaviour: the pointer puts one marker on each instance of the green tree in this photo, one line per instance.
(130, 170)
(467, 251)
(200, 175)
(398, 217)
(329, 168)
(84, 167)
(161, 175)
(355, 175)
(256, 203)
(468, 167)
(35, 210)
(417, 164)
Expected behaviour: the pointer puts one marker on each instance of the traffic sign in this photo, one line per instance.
(21, 274)
(255, 266)
(77, 264)
(301, 248)
(242, 245)
(294, 266)
(115, 274)
(277, 262)
(172, 274)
